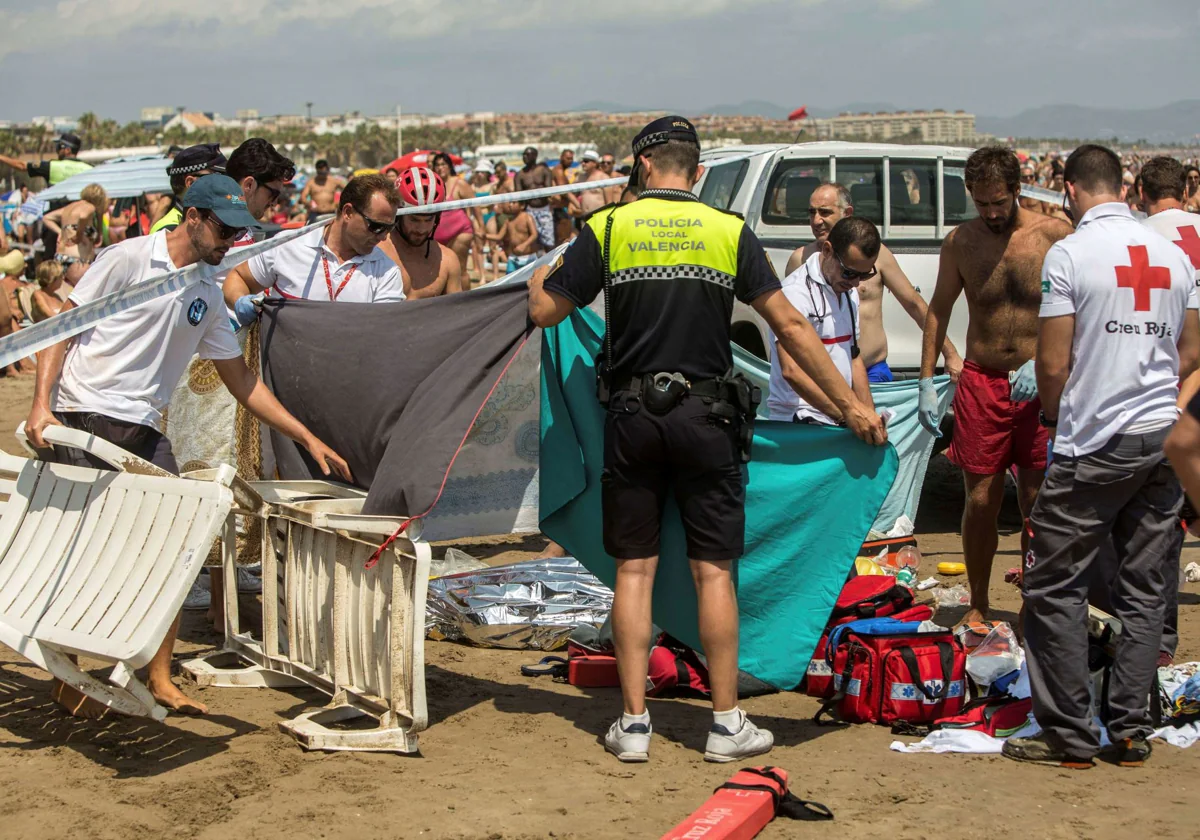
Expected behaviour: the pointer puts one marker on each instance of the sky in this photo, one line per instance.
(989, 57)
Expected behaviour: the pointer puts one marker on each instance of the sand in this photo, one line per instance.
(511, 757)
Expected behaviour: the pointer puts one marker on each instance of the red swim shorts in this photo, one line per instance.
(991, 432)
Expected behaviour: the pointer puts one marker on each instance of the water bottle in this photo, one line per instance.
(909, 557)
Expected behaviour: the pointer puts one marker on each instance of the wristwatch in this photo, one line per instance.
(1046, 421)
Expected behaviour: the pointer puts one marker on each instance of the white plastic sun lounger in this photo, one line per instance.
(329, 622)
(97, 563)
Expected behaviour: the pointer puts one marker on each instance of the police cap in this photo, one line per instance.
(198, 158)
(662, 130)
(658, 132)
(69, 141)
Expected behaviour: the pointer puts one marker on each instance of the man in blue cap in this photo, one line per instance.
(115, 379)
(678, 422)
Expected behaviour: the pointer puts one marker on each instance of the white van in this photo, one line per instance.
(913, 193)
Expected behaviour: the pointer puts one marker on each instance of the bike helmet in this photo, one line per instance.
(420, 186)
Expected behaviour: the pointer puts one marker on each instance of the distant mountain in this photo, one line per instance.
(1177, 122)
(751, 107)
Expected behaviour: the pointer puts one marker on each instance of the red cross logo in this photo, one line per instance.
(1190, 243)
(1142, 277)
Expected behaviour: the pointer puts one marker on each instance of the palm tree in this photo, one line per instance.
(88, 123)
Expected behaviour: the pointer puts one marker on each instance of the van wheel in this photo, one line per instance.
(747, 337)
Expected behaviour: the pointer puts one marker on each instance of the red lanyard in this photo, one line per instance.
(329, 282)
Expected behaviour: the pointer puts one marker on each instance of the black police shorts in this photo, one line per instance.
(647, 456)
(146, 443)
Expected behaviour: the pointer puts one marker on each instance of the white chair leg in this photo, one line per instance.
(116, 698)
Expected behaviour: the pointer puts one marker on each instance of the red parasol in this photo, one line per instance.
(420, 157)
(800, 113)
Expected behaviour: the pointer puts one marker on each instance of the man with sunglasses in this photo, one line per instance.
(203, 420)
(612, 195)
(115, 380)
(824, 289)
(830, 203)
(339, 262)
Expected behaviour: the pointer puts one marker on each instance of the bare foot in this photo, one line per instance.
(972, 616)
(551, 551)
(172, 698)
(76, 702)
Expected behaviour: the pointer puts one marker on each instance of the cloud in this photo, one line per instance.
(67, 21)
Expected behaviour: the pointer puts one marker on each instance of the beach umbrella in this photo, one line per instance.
(420, 157)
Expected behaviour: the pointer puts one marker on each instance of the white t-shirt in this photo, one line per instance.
(1128, 289)
(834, 317)
(1182, 228)
(297, 270)
(127, 365)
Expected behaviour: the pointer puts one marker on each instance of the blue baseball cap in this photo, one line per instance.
(223, 196)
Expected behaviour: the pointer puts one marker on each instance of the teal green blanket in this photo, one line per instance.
(812, 496)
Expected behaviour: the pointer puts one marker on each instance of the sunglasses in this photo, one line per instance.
(224, 231)
(274, 192)
(851, 274)
(376, 228)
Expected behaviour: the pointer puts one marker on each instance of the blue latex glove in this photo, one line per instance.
(927, 407)
(245, 309)
(1023, 381)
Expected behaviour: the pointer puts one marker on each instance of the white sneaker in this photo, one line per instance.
(631, 744)
(247, 581)
(749, 740)
(199, 597)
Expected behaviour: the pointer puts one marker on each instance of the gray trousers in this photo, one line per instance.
(1119, 505)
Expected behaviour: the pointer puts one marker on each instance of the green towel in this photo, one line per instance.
(812, 496)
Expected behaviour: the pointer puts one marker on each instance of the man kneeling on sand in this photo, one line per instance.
(115, 379)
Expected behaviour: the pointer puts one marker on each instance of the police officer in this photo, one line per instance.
(67, 147)
(188, 165)
(670, 268)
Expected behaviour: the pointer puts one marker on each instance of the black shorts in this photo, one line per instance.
(647, 455)
(143, 441)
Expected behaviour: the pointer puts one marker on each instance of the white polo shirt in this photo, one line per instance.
(1182, 228)
(127, 365)
(834, 317)
(1129, 290)
(297, 270)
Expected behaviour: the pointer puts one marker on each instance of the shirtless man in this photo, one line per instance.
(829, 204)
(428, 268)
(77, 227)
(537, 176)
(612, 195)
(320, 194)
(997, 261)
(562, 204)
(591, 200)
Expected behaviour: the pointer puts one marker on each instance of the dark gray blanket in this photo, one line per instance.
(392, 387)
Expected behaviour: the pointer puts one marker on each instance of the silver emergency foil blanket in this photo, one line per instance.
(532, 605)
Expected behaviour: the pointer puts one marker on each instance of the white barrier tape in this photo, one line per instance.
(541, 192)
(1042, 194)
(26, 342)
(522, 275)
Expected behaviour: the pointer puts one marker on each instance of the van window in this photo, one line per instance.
(788, 191)
(721, 184)
(864, 180)
(959, 206)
